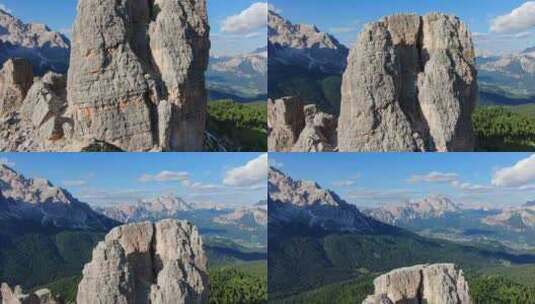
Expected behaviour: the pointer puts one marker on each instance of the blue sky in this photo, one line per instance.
(59, 15)
(222, 179)
(345, 18)
(472, 179)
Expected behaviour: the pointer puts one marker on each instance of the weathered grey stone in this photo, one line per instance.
(437, 284)
(125, 57)
(319, 134)
(410, 85)
(44, 106)
(16, 296)
(160, 263)
(16, 78)
(286, 120)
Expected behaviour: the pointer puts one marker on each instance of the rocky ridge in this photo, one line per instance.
(519, 219)
(430, 207)
(46, 50)
(290, 200)
(40, 201)
(304, 46)
(161, 263)
(410, 85)
(244, 215)
(16, 296)
(292, 126)
(436, 283)
(516, 72)
(137, 85)
(165, 206)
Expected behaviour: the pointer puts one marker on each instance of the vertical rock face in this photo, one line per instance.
(16, 78)
(410, 85)
(437, 284)
(160, 263)
(127, 57)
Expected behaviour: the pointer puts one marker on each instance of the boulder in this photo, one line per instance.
(286, 120)
(159, 263)
(410, 85)
(16, 296)
(16, 78)
(319, 134)
(437, 284)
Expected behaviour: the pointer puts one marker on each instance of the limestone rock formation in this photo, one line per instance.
(319, 134)
(45, 49)
(16, 296)
(16, 78)
(410, 85)
(437, 284)
(292, 126)
(286, 120)
(136, 76)
(161, 263)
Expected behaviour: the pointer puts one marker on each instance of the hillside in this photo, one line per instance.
(304, 257)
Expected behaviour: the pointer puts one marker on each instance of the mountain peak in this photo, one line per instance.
(304, 45)
(40, 201)
(45, 49)
(307, 203)
(300, 193)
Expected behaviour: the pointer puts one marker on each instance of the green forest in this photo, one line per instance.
(501, 129)
(240, 127)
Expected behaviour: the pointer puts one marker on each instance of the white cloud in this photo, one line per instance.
(74, 183)
(521, 174)
(165, 176)
(7, 162)
(519, 19)
(252, 173)
(252, 18)
(344, 183)
(434, 177)
(469, 187)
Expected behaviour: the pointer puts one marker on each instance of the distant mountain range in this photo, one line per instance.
(240, 77)
(320, 244)
(439, 217)
(45, 49)
(431, 207)
(508, 79)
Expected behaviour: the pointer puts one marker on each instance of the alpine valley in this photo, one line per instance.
(47, 236)
(324, 249)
